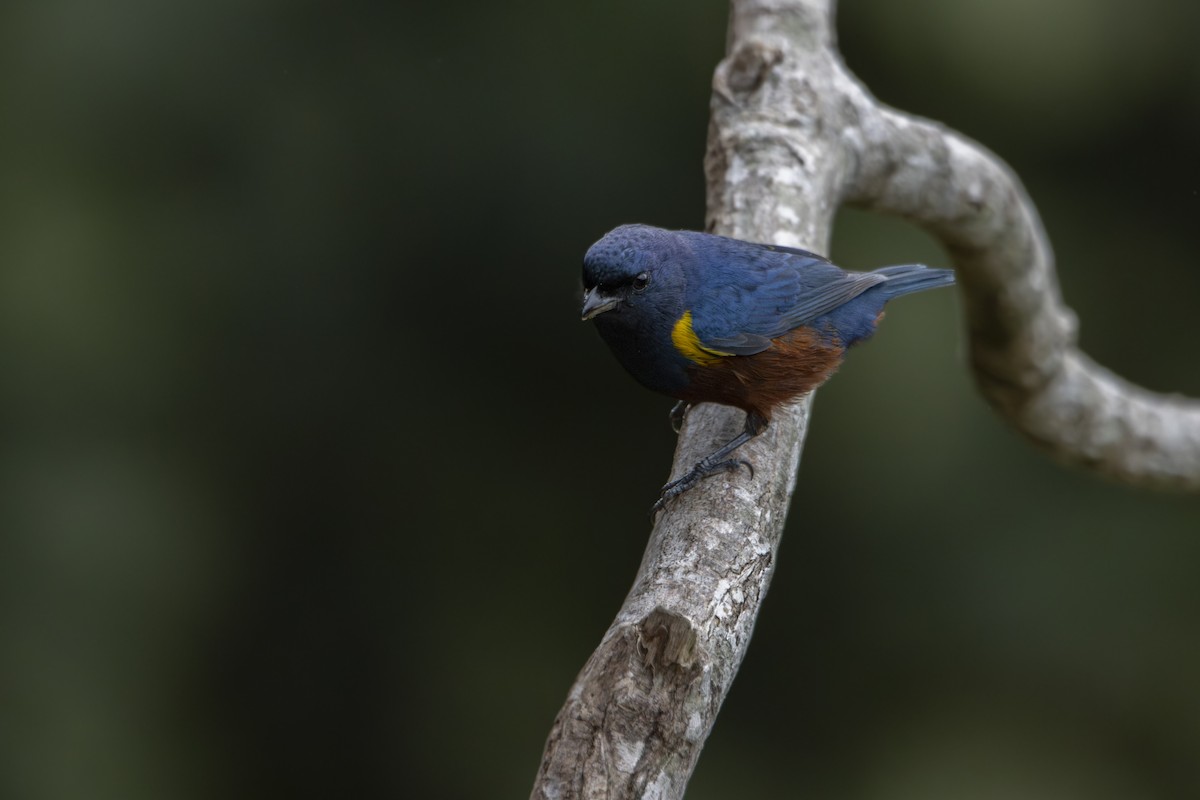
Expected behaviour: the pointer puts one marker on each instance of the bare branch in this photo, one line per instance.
(1022, 336)
(793, 135)
(645, 702)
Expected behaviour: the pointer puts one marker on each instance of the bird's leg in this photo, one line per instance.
(677, 414)
(716, 461)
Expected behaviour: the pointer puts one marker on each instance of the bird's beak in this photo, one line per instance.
(595, 303)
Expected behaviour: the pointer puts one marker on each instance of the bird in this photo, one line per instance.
(704, 318)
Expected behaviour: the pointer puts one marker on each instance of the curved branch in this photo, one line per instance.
(1022, 336)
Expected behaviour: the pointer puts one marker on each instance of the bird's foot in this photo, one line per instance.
(678, 412)
(702, 470)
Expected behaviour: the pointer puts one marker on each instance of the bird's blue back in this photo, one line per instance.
(742, 295)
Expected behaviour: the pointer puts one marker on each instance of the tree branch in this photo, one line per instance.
(1022, 336)
(793, 135)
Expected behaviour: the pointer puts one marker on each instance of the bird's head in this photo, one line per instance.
(633, 269)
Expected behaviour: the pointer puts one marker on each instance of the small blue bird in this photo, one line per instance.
(709, 319)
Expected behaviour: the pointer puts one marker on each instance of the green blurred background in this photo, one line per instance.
(313, 484)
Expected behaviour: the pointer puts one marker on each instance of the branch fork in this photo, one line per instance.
(793, 135)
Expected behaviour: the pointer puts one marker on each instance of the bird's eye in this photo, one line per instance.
(641, 281)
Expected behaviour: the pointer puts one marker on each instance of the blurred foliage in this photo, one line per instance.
(310, 475)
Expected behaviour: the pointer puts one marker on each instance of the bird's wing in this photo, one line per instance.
(806, 255)
(830, 292)
(748, 312)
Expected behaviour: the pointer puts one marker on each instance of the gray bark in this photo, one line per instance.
(793, 136)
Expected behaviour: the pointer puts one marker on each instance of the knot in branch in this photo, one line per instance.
(667, 639)
(745, 70)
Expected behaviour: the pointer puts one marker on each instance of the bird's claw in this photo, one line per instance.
(694, 476)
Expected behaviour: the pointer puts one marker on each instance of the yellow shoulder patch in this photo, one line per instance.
(688, 343)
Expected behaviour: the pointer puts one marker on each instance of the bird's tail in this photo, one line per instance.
(907, 278)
